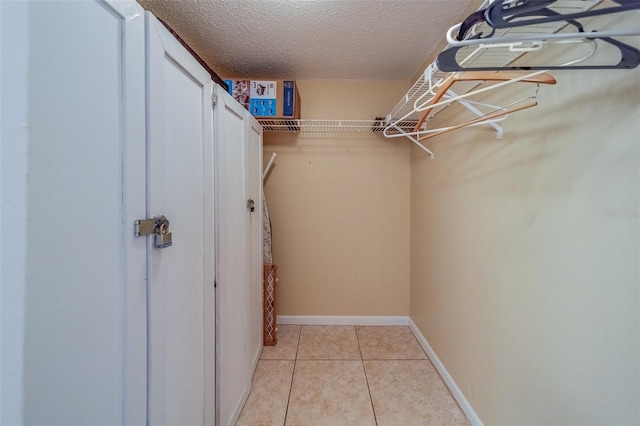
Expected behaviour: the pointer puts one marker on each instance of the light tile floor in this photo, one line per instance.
(345, 375)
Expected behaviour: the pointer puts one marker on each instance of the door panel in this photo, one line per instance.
(253, 177)
(84, 296)
(179, 186)
(231, 296)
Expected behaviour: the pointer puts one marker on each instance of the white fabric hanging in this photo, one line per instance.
(266, 233)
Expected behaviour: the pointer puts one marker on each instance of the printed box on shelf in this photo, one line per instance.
(268, 99)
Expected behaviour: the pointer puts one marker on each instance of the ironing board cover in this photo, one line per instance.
(266, 232)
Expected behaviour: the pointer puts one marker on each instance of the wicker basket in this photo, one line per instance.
(270, 279)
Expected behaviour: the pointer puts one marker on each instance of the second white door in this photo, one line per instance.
(181, 335)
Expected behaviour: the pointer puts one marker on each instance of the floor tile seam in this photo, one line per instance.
(448, 391)
(329, 359)
(366, 378)
(396, 359)
(293, 373)
(277, 359)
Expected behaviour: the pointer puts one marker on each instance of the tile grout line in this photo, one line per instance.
(328, 359)
(364, 368)
(397, 359)
(295, 361)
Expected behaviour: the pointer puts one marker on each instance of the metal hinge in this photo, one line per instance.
(214, 100)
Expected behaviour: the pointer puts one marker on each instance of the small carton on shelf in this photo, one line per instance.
(269, 99)
(239, 89)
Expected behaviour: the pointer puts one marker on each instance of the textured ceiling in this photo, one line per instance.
(311, 39)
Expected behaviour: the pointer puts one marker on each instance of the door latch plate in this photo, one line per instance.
(143, 227)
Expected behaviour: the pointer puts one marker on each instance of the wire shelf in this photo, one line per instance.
(404, 116)
(331, 126)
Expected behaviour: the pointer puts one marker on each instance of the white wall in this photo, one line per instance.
(525, 254)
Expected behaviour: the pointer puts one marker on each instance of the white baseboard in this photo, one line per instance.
(342, 320)
(448, 380)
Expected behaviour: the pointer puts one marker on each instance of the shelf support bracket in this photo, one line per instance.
(499, 132)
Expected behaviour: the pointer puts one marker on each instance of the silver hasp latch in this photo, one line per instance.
(158, 226)
(143, 227)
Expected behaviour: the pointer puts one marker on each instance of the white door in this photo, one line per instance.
(73, 305)
(180, 186)
(253, 177)
(234, 380)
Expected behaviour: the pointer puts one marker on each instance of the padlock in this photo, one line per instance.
(163, 236)
(163, 240)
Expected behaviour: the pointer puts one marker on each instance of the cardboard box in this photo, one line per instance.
(272, 99)
(239, 89)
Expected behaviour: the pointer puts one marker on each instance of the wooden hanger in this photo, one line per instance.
(506, 76)
(486, 117)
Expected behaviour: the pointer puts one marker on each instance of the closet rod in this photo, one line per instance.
(269, 164)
